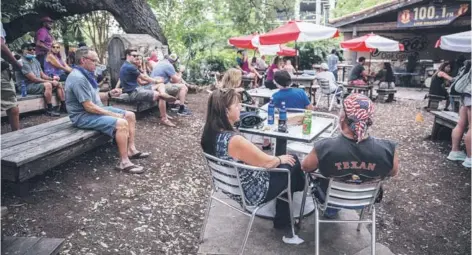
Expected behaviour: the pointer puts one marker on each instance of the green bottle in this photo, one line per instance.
(307, 122)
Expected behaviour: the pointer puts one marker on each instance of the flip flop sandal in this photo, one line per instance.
(132, 169)
(140, 155)
(168, 123)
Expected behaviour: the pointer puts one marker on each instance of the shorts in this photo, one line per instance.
(103, 123)
(142, 94)
(172, 89)
(386, 85)
(8, 92)
(357, 82)
(35, 89)
(465, 100)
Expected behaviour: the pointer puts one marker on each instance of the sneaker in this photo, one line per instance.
(456, 156)
(467, 163)
(52, 113)
(184, 112)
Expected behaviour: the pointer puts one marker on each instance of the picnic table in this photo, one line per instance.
(343, 66)
(443, 119)
(262, 92)
(360, 88)
(294, 133)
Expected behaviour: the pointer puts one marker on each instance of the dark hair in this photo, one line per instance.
(389, 76)
(254, 60)
(217, 119)
(276, 60)
(283, 78)
(333, 51)
(129, 50)
(82, 44)
(361, 59)
(442, 67)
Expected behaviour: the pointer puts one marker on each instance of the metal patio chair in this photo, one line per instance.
(225, 177)
(345, 196)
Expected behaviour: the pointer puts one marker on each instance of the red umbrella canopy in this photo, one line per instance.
(244, 42)
(372, 42)
(286, 51)
(298, 31)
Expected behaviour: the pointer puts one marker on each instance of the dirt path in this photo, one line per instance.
(426, 210)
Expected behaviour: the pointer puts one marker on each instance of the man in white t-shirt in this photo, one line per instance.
(327, 75)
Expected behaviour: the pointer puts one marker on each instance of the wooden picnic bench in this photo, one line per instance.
(365, 89)
(442, 120)
(381, 93)
(31, 245)
(433, 101)
(32, 151)
(32, 103)
(123, 102)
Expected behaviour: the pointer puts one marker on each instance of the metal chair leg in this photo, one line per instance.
(290, 206)
(207, 214)
(317, 231)
(302, 208)
(248, 231)
(373, 230)
(319, 98)
(360, 218)
(332, 102)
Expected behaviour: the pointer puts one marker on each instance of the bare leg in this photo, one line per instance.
(468, 135)
(60, 93)
(182, 93)
(121, 137)
(14, 118)
(458, 131)
(47, 92)
(131, 119)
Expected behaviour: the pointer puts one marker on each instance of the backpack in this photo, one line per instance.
(249, 120)
(461, 83)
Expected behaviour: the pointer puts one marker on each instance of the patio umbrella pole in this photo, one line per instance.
(296, 57)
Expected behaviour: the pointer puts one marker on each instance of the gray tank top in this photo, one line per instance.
(354, 162)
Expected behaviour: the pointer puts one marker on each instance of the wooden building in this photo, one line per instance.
(417, 24)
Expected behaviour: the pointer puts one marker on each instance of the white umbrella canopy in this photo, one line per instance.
(459, 42)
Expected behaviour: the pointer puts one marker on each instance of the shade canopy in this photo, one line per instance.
(371, 42)
(252, 42)
(459, 42)
(245, 42)
(298, 31)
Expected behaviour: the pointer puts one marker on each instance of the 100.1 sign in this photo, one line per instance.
(431, 15)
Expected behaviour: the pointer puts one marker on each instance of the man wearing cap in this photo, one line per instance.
(36, 81)
(9, 103)
(44, 39)
(293, 97)
(353, 156)
(173, 81)
(329, 76)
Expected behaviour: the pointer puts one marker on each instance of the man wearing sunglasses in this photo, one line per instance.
(86, 110)
(37, 82)
(129, 74)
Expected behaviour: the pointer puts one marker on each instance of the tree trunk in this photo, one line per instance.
(134, 16)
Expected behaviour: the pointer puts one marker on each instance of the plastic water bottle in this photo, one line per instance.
(271, 112)
(282, 118)
(23, 89)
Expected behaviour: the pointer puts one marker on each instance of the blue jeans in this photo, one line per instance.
(103, 123)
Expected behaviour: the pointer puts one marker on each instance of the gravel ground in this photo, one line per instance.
(426, 209)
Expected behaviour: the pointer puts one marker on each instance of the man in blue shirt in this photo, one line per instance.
(155, 91)
(293, 97)
(174, 85)
(86, 110)
(333, 60)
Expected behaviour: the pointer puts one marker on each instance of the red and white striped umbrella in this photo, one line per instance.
(298, 31)
(459, 42)
(371, 42)
(252, 42)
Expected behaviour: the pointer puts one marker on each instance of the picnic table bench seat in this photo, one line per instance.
(32, 151)
(124, 103)
(381, 93)
(32, 103)
(31, 245)
(433, 101)
(443, 119)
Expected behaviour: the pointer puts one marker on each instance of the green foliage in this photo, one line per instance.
(345, 7)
